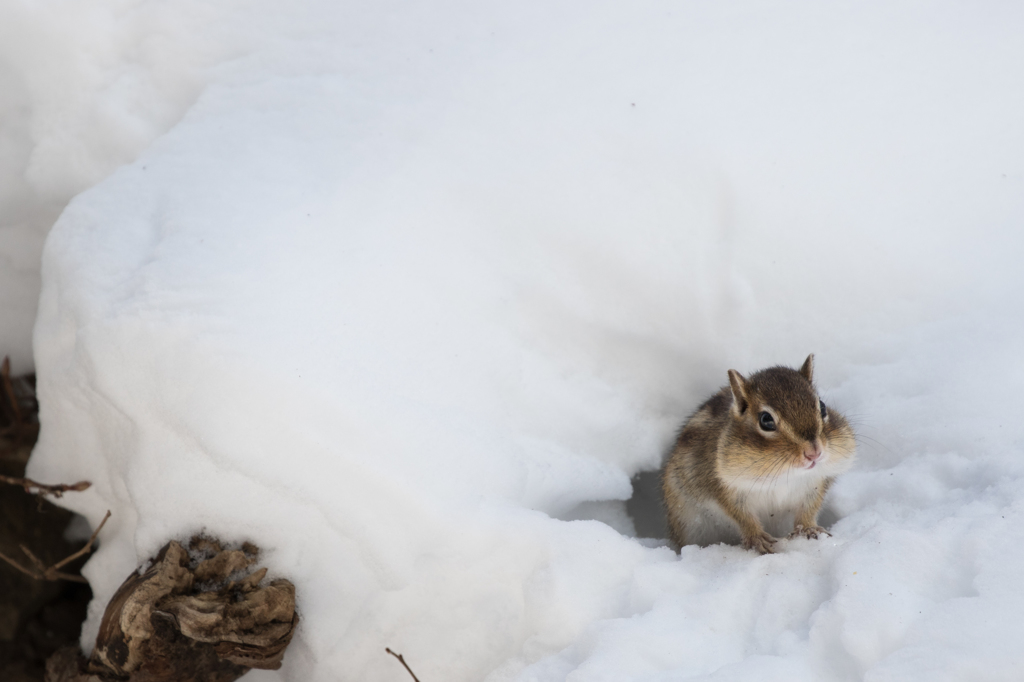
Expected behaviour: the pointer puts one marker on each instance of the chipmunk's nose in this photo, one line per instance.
(812, 451)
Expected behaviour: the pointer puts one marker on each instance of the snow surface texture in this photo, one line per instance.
(413, 289)
(84, 88)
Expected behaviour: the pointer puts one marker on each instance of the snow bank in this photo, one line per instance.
(84, 87)
(410, 285)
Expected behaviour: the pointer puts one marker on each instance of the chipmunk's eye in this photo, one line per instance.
(821, 406)
(766, 421)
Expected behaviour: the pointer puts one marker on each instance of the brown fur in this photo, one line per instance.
(727, 473)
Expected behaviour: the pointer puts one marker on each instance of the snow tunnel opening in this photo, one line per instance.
(641, 516)
(645, 508)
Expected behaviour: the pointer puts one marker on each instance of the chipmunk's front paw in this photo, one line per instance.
(761, 542)
(809, 532)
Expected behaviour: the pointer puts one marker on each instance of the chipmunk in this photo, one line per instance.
(758, 453)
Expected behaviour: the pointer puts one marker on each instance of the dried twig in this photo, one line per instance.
(40, 571)
(42, 489)
(5, 374)
(18, 426)
(402, 661)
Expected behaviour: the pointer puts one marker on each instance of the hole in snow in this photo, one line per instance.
(644, 507)
(641, 516)
(610, 512)
(827, 516)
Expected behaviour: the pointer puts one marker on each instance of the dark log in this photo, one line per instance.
(203, 616)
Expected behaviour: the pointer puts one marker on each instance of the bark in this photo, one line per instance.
(192, 616)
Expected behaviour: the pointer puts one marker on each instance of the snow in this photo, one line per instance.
(84, 88)
(406, 293)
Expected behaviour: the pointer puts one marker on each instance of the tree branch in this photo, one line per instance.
(402, 661)
(42, 489)
(39, 571)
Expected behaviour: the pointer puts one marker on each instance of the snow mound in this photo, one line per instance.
(84, 88)
(412, 290)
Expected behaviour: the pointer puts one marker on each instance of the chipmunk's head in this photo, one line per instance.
(779, 425)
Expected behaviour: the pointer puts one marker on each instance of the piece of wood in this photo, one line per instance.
(192, 616)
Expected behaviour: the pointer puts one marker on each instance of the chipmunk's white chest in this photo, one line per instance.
(784, 492)
(773, 500)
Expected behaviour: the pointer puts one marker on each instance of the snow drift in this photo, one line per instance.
(412, 290)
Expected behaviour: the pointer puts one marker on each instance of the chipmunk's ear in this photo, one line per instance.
(808, 368)
(740, 399)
